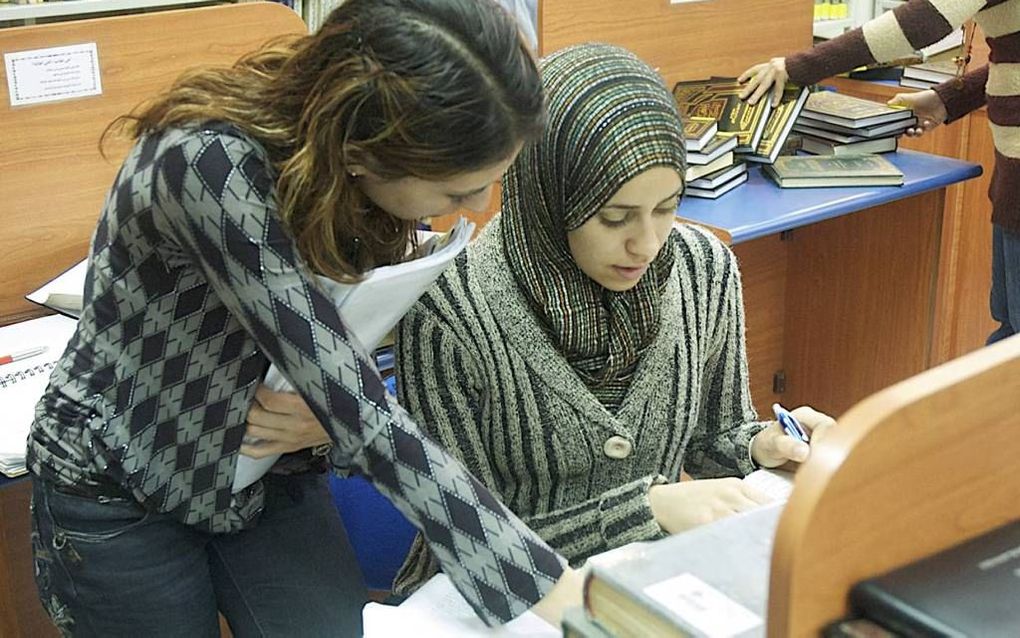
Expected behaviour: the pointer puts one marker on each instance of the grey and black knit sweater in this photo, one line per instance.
(477, 370)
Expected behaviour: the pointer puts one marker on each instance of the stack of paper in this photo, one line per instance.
(370, 309)
(23, 382)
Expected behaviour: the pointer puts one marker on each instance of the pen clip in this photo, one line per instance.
(789, 423)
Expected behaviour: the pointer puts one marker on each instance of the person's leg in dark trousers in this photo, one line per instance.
(108, 569)
(294, 573)
(1005, 295)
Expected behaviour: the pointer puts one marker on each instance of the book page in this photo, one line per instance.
(776, 483)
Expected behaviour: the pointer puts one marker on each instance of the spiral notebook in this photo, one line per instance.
(23, 382)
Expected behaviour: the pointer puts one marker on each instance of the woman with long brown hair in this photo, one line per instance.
(312, 156)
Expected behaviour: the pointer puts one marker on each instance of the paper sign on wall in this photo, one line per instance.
(53, 74)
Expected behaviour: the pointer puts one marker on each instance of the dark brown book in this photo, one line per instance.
(779, 125)
(970, 589)
(718, 99)
(699, 131)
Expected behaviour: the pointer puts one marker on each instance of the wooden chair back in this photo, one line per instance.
(923, 465)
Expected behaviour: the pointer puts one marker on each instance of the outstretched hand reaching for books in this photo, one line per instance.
(927, 107)
(761, 78)
(280, 422)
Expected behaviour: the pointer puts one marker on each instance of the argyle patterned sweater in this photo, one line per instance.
(476, 368)
(919, 23)
(193, 287)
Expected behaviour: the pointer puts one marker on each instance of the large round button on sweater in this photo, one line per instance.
(617, 447)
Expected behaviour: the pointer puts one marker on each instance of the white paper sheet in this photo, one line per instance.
(53, 74)
(437, 610)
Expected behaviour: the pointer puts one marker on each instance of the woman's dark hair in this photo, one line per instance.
(423, 88)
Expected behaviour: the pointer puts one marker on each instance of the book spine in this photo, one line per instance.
(895, 614)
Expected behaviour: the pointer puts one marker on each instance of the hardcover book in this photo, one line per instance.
(827, 147)
(877, 72)
(694, 171)
(805, 171)
(849, 111)
(970, 589)
(716, 148)
(719, 190)
(803, 128)
(935, 72)
(577, 624)
(718, 177)
(921, 85)
(810, 126)
(718, 99)
(709, 581)
(779, 125)
(699, 131)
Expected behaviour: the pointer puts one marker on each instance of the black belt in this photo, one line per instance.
(100, 491)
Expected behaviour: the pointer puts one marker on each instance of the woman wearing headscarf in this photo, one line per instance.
(586, 349)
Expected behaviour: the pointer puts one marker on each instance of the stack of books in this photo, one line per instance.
(712, 169)
(837, 124)
(938, 63)
(928, 74)
(723, 132)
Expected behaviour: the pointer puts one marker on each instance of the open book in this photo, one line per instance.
(370, 309)
(23, 381)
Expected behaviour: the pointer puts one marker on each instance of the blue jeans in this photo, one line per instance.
(1005, 297)
(110, 568)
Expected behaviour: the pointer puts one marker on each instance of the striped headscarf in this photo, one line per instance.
(610, 119)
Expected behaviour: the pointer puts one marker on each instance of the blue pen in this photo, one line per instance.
(789, 423)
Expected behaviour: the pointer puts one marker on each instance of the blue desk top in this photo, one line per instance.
(759, 207)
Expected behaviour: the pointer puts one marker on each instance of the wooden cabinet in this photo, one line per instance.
(962, 319)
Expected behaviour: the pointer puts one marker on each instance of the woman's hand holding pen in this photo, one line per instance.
(762, 77)
(280, 422)
(773, 447)
(927, 107)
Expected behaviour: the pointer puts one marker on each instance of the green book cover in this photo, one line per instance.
(799, 171)
(837, 108)
(718, 98)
